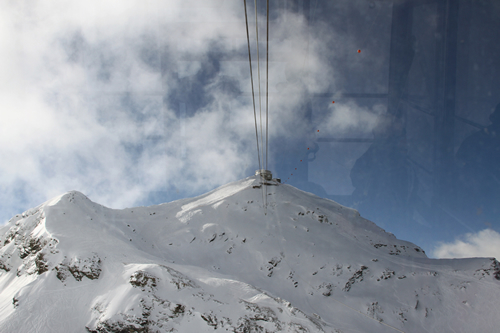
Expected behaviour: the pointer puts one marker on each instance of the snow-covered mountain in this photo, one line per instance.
(222, 263)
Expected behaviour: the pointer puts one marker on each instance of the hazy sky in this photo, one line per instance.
(142, 102)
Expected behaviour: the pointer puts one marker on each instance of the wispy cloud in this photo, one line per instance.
(121, 98)
(485, 243)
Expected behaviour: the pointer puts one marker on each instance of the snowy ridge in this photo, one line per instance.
(218, 263)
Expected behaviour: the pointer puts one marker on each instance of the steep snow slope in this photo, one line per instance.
(220, 262)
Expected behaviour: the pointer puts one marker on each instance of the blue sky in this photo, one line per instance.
(142, 102)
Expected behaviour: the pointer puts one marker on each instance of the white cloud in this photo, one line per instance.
(485, 243)
(347, 118)
(82, 107)
(82, 88)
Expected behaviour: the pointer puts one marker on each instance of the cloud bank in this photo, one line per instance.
(121, 99)
(485, 243)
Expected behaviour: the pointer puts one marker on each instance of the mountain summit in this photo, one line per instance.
(222, 262)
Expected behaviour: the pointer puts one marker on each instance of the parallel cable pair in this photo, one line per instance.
(260, 148)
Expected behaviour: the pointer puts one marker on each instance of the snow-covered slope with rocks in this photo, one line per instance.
(221, 262)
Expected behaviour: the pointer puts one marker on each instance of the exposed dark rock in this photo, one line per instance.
(118, 327)
(41, 264)
(496, 269)
(327, 289)
(387, 274)
(31, 246)
(143, 280)
(88, 267)
(4, 266)
(323, 219)
(62, 273)
(252, 323)
(211, 320)
(178, 310)
(271, 264)
(358, 276)
(397, 249)
(374, 310)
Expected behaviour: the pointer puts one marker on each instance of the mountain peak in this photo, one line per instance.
(68, 197)
(245, 256)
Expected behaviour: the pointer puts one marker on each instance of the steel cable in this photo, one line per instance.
(258, 80)
(251, 81)
(267, 85)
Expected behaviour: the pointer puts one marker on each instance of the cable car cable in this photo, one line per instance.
(267, 92)
(267, 85)
(260, 147)
(258, 78)
(264, 189)
(251, 81)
